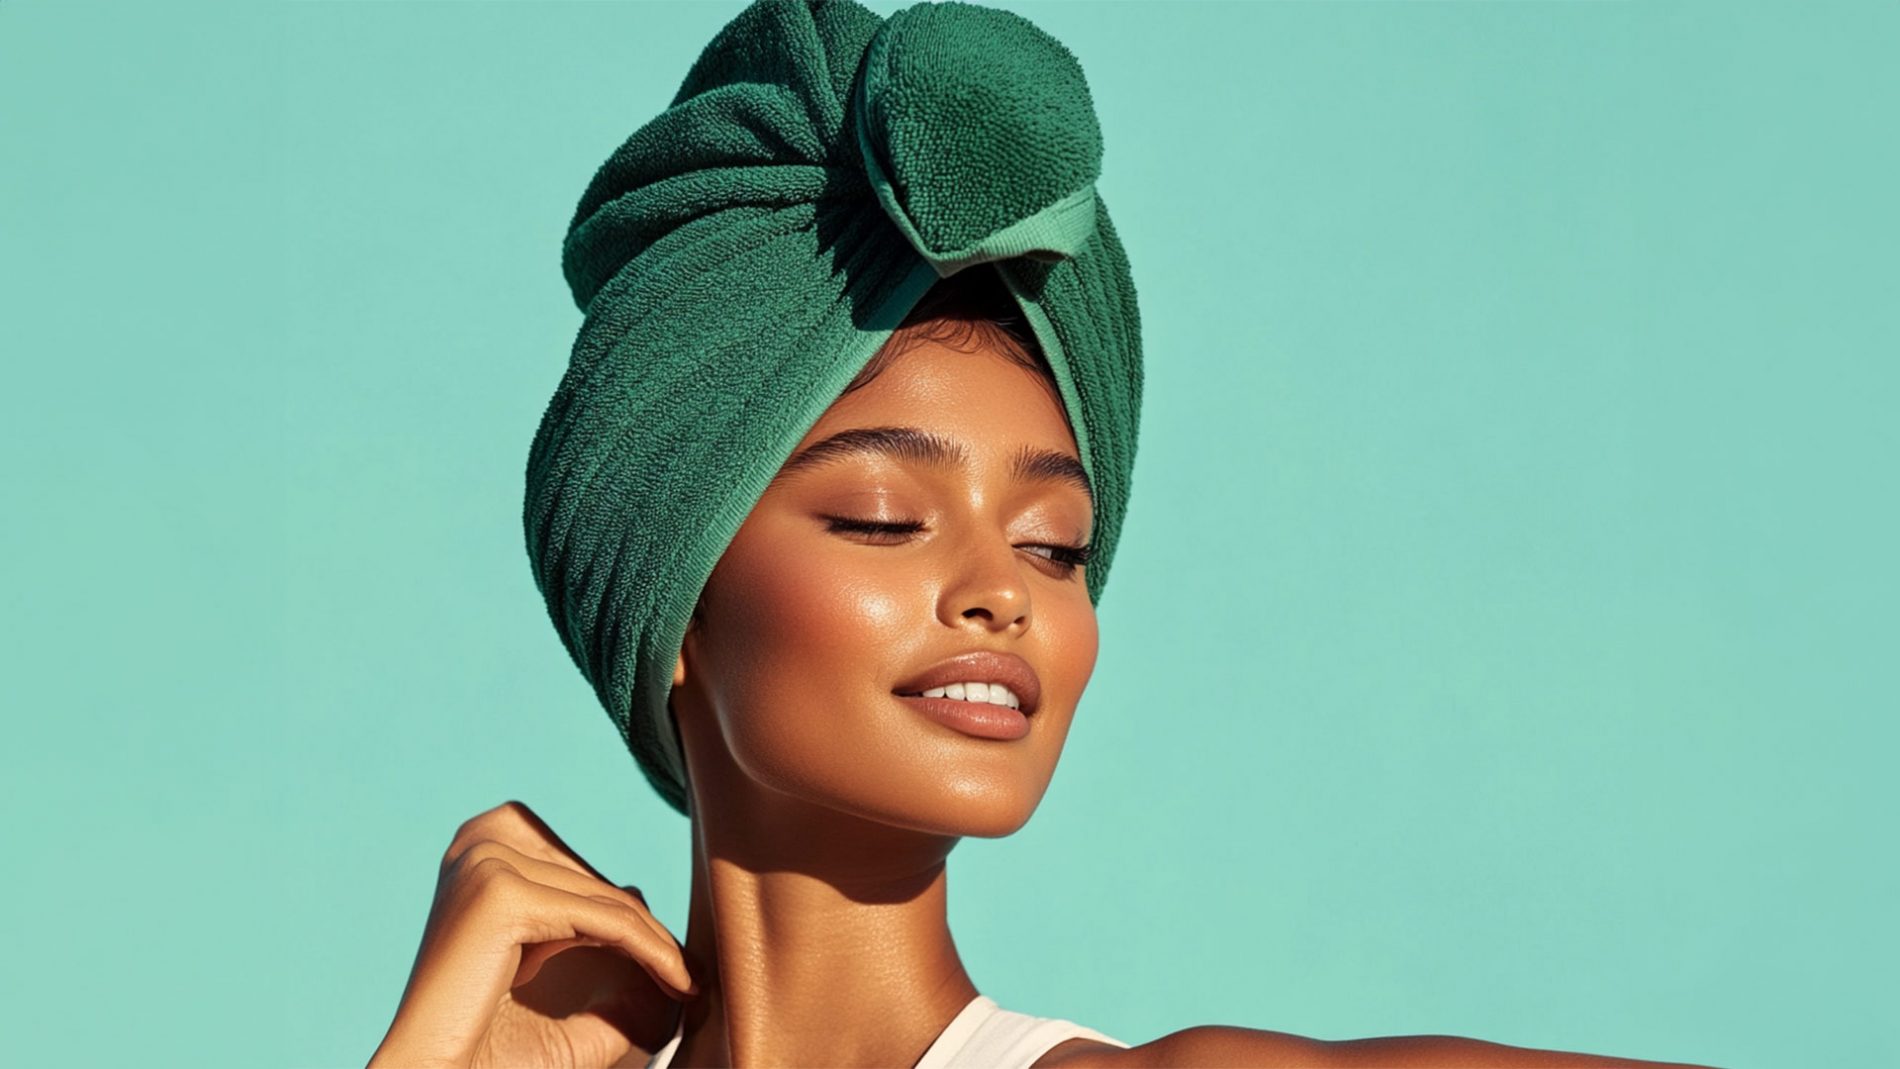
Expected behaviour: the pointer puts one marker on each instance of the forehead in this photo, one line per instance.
(978, 395)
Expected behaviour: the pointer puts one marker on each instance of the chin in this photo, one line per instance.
(926, 801)
(899, 774)
(970, 808)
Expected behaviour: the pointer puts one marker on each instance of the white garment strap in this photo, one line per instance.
(986, 1036)
(982, 1035)
(663, 1057)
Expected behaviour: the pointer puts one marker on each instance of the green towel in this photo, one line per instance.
(741, 256)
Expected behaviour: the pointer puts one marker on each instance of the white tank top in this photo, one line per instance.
(982, 1036)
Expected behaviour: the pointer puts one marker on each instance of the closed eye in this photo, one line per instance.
(1065, 558)
(903, 527)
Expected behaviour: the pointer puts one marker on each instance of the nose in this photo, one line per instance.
(986, 585)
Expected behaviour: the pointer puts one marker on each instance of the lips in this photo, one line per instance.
(981, 666)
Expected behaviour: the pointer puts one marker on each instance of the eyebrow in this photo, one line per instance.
(917, 445)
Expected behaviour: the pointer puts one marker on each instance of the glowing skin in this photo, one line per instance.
(825, 807)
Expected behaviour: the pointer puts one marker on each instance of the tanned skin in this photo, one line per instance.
(824, 807)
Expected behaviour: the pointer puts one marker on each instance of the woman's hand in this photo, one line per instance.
(488, 988)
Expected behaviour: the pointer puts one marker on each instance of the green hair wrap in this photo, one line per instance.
(745, 253)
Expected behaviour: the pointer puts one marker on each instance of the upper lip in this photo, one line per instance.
(981, 666)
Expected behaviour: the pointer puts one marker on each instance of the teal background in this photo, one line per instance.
(1495, 646)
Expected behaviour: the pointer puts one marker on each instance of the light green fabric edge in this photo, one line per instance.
(1058, 358)
(657, 662)
(1063, 228)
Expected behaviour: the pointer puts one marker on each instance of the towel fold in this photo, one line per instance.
(742, 255)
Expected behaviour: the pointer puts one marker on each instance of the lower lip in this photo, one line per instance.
(981, 719)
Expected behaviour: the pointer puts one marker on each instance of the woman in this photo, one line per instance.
(823, 508)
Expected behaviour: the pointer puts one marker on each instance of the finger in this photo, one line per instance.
(535, 912)
(569, 880)
(532, 835)
(598, 1035)
(536, 956)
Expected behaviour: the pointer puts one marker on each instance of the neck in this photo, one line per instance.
(817, 938)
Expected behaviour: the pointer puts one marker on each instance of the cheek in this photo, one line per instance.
(781, 594)
(797, 622)
(1072, 637)
(803, 631)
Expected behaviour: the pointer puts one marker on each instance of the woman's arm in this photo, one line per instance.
(1229, 1047)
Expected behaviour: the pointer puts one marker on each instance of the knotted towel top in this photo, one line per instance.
(742, 255)
(977, 132)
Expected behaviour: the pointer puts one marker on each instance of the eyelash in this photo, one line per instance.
(1067, 558)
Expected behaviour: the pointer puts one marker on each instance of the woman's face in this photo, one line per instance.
(788, 681)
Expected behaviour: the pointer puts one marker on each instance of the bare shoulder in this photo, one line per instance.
(1226, 1047)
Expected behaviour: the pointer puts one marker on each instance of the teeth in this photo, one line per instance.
(993, 693)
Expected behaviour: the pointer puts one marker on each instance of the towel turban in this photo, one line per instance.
(741, 256)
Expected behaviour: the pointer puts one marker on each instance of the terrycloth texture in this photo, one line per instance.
(746, 252)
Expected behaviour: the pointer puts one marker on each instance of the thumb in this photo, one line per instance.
(599, 1035)
(533, 957)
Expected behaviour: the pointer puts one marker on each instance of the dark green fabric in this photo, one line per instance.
(744, 254)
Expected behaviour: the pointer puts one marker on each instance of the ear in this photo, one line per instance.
(679, 666)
